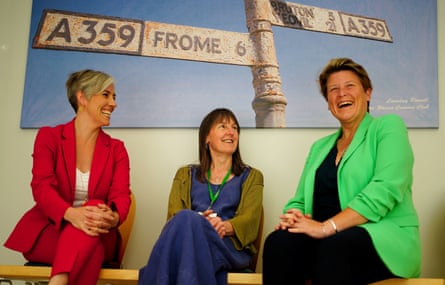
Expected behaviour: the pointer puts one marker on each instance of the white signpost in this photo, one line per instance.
(95, 33)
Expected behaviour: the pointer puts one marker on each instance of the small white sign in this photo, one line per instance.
(297, 16)
(192, 43)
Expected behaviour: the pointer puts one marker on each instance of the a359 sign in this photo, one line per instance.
(87, 32)
(73, 31)
(365, 27)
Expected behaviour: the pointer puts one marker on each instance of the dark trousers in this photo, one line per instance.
(346, 258)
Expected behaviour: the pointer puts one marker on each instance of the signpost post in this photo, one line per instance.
(269, 103)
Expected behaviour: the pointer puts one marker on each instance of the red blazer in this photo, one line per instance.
(54, 178)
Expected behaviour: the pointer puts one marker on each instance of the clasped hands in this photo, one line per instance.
(93, 220)
(295, 221)
(223, 228)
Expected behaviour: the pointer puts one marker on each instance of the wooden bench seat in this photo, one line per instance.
(41, 273)
(108, 276)
(412, 281)
(130, 276)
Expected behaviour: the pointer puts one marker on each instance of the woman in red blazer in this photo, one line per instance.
(81, 187)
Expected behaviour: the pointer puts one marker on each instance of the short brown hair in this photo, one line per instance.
(339, 64)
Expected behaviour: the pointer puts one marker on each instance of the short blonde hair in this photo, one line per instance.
(90, 82)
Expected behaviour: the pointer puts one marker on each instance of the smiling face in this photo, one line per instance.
(346, 96)
(100, 106)
(223, 137)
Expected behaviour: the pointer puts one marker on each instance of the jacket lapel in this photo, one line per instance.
(69, 154)
(359, 137)
(326, 147)
(100, 157)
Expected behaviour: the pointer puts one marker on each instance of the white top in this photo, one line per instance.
(81, 193)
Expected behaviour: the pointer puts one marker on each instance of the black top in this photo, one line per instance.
(326, 201)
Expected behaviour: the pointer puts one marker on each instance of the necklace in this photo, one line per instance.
(214, 196)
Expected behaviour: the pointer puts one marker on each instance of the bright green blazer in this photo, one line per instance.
(374, 179)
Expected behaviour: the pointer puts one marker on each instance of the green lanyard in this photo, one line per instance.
(215, 196)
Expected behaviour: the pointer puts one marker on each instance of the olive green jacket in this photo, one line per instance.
(247, 217)
(374, 179)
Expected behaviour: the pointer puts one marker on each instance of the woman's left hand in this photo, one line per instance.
(304, 224)
(101, 218)
(216, 222)
(218, 225)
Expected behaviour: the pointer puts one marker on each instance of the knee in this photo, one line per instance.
(332, 249)
(186, 213)
(272, 239)
(335, 244)
(184, 218)
(276, 240)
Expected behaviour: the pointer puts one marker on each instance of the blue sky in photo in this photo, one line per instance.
(170, 93)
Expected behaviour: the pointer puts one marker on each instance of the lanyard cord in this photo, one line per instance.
(215, 196)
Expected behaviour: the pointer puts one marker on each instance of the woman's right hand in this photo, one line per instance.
(295, 221)
(289, 219)
(78, 217)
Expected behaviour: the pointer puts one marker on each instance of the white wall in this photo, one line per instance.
(156, 153)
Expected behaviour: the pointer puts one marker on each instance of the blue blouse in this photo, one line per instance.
(229, 197)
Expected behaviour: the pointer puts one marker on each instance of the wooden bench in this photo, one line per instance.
(41, 273)
(413, 281)
(130, 277)
(107, 276)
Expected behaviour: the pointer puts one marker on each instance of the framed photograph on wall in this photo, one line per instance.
(173, 61)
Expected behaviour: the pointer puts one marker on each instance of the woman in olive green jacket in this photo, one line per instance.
(246, 221)
(352, 219)
(214, 212)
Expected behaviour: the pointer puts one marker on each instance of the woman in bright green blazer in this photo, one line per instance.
(352, 219)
